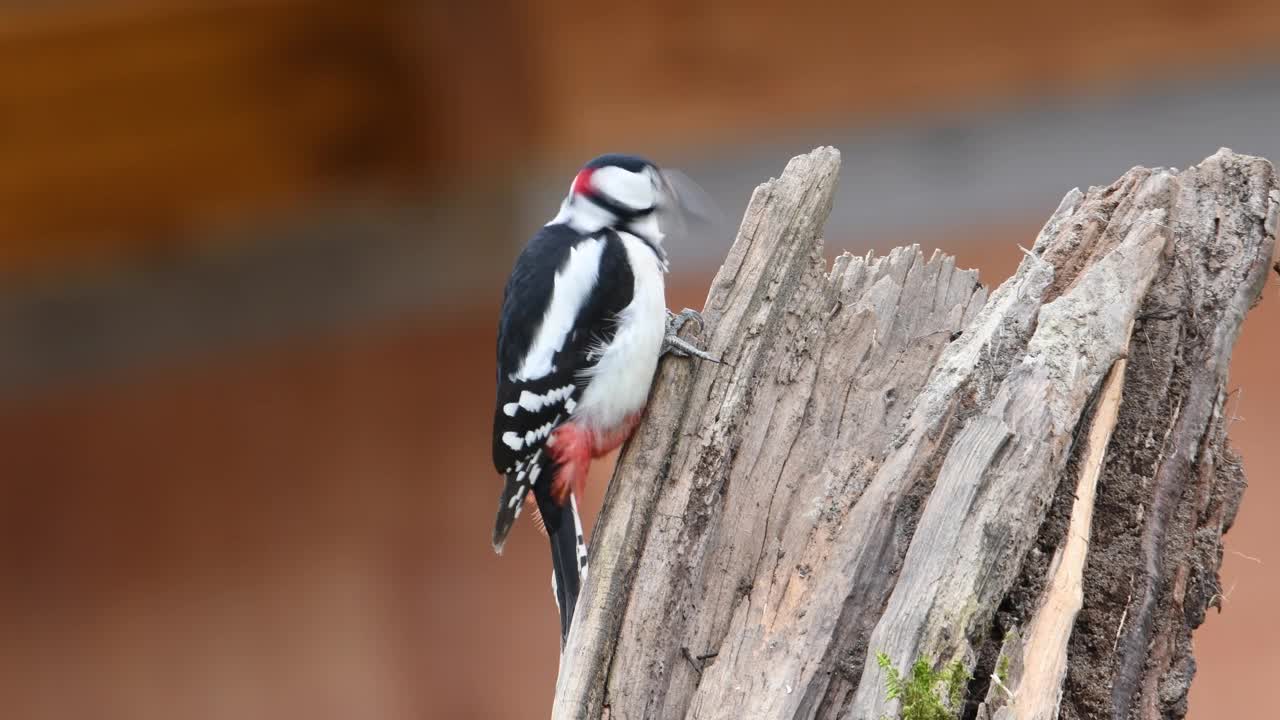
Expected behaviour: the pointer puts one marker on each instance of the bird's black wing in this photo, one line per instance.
(528, 408)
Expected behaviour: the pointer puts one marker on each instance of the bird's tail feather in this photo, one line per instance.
(509, 506)
(568, 567)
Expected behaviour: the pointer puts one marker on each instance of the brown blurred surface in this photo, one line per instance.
(711, 68)
(299, 528)
(124, 129)
(303, 533)
(126, 126)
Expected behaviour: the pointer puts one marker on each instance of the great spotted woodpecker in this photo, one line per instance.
(584, 321)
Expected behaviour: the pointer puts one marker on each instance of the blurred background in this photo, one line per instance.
(252, 251)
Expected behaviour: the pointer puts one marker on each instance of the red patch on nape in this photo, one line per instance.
(570, 446)
(582, 183)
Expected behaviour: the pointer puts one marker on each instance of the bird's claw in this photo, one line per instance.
(678, 346)
(675, 323)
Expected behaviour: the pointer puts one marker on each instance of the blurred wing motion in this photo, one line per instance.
(695, 216)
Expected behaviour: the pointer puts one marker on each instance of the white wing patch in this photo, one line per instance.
(537, 434)
(533, 403)
(535, 468)
(573, 285)
(512, 440)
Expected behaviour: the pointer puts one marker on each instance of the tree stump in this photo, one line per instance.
(1033, 483)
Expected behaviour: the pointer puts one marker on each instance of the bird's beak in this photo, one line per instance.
(694, 203)
(694, 217)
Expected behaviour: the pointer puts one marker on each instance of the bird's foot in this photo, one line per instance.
(678, 346)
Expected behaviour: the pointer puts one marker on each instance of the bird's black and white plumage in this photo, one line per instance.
(582, 327)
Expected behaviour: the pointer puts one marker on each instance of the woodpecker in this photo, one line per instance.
(584, 321)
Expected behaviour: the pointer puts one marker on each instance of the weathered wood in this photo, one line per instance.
(1042, 657)
(888, 463)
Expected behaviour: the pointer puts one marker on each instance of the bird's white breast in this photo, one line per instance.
(620, 380)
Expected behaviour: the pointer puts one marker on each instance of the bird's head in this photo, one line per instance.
(632, 194)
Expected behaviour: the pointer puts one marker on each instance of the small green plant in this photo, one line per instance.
(919, 694)
(1002, 669)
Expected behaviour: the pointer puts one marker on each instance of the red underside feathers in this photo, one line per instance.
(574, 447)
